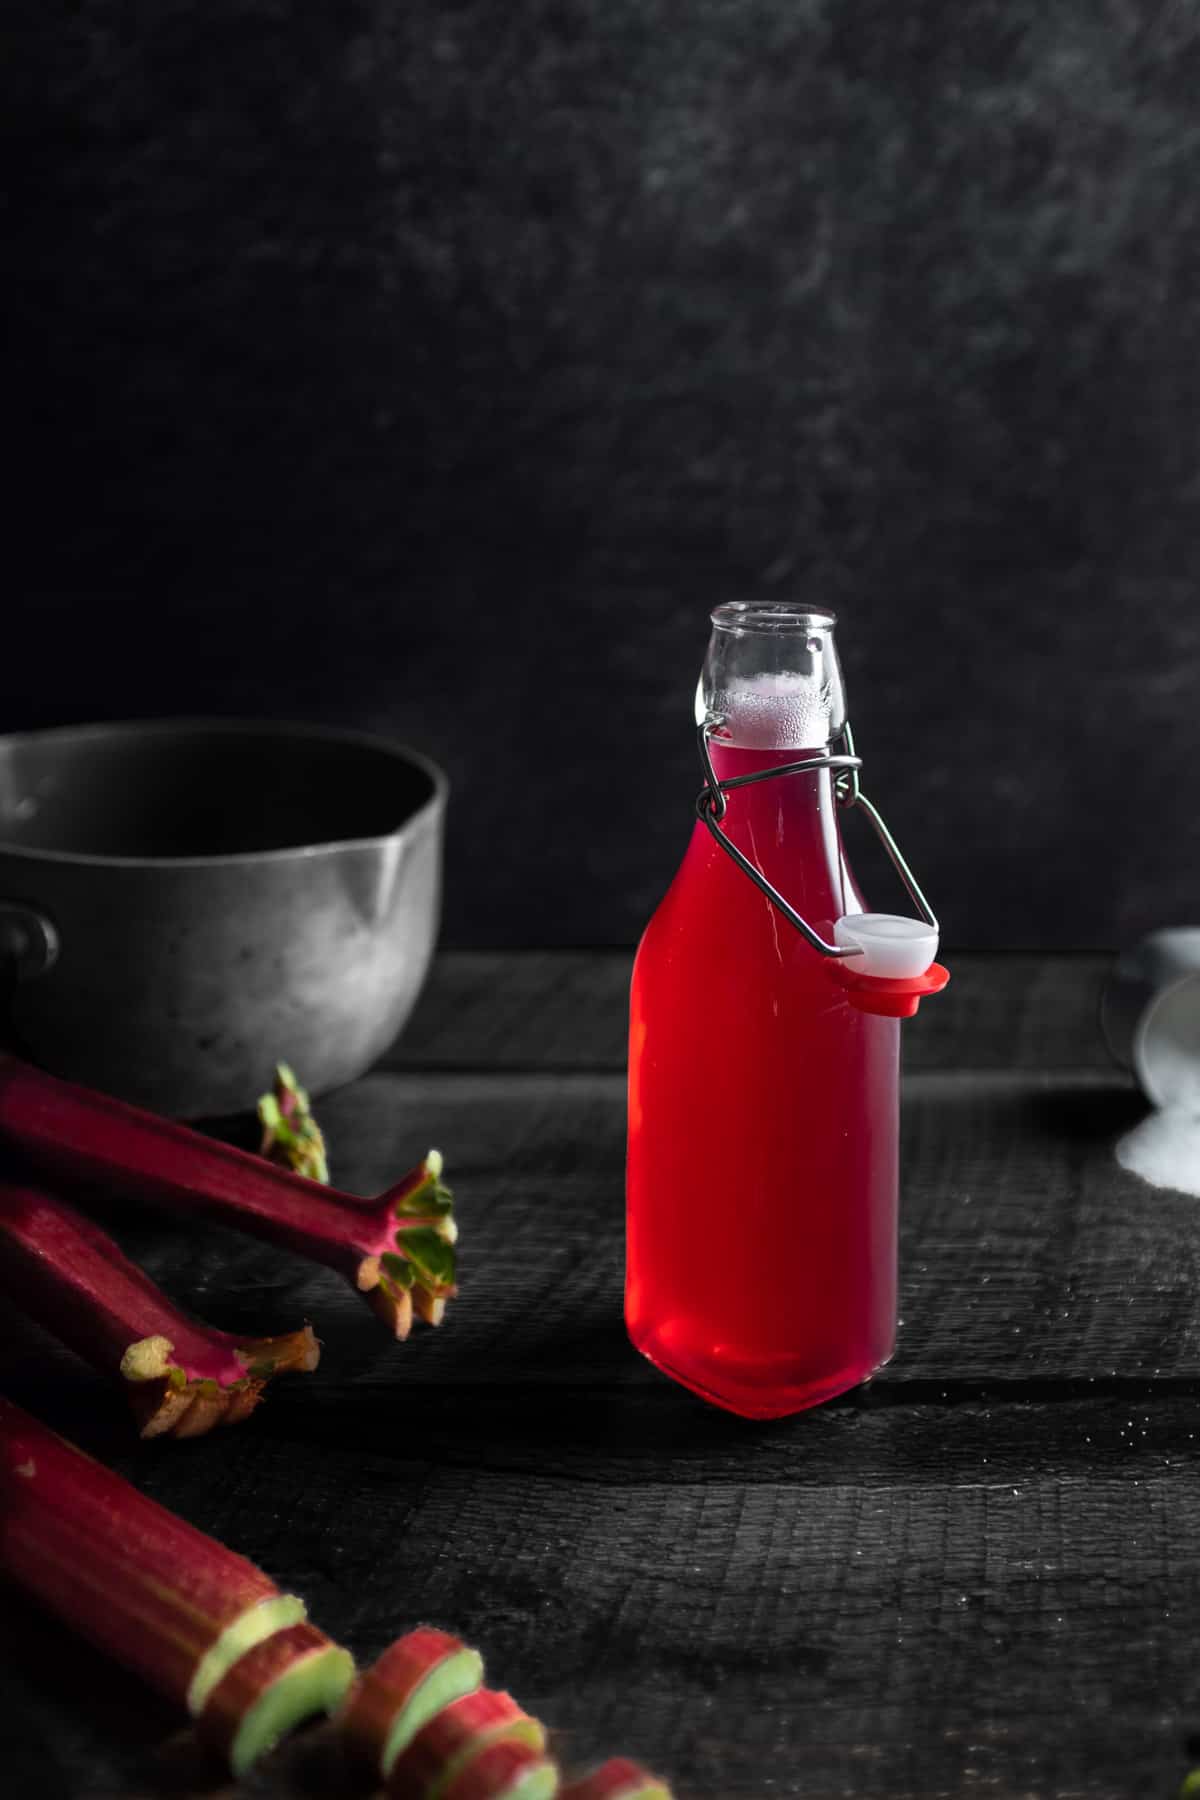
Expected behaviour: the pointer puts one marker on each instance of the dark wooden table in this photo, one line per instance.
(981, 1576)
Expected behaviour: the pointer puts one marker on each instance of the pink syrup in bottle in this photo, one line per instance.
(763, 1106)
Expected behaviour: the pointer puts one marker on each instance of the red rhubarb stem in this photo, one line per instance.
(182, 1377)
(414, 1679)
(504, 1771)
(456, 1735)
(618, 1779)
(396, 1247)
(274, 1687)
(137, 1581)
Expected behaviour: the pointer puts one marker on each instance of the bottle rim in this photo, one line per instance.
(753, 616)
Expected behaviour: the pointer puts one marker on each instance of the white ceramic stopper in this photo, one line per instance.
(892, 947)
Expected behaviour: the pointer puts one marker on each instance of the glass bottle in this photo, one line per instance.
(763, 1102)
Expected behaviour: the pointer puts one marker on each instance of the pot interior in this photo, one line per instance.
(156, 791)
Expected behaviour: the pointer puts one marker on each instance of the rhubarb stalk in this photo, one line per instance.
(181, 1377)
(457, 1736)
(416, 1677)
(169, 1603)
(618, 1779)
(504, 1771)
(280, 1682)
(397, 1249)
(291, 1135)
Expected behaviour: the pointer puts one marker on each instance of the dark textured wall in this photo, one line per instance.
(436, 367)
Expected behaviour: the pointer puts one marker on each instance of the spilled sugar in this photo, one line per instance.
(1164, 1150)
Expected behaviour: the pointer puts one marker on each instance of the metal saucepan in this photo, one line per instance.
(184, 904)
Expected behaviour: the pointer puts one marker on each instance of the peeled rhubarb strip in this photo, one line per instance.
(618, 1779)
(415, 1677)
(181, 1377)
(504, 1771)
(457, 1735)
(271, 1689)
(403, 1239)
(141, 1584)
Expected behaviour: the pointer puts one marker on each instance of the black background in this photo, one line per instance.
(436, 367)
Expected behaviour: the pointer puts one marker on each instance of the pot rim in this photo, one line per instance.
(200, 724)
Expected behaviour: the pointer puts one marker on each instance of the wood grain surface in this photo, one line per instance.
(568, 1010)
(978, 1576)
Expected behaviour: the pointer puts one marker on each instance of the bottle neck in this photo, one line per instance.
(771, 693)
(788, 827)
(771, 680)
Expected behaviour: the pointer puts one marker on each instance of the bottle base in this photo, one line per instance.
(759, 1400)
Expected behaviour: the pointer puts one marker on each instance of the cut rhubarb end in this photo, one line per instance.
(456, 1736)
(148, 1360)
(193, 1410)
(168, 1400)
(274, 1614)
(430, 1307)
(293, 1351)
(287, 1678)
(414, 1679)
(422, 1190)
(182, 1377)
(425, 1238)
(617, 1779)
(291, 1135)
(504, 1771)
(387, 1298)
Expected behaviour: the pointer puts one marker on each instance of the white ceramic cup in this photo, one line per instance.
(1150, 1015)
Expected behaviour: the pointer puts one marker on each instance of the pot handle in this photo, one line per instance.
(28, 941)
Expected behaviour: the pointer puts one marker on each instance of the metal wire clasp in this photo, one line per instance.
(712, 805)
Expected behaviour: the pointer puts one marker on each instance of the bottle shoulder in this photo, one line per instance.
(710, 895)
